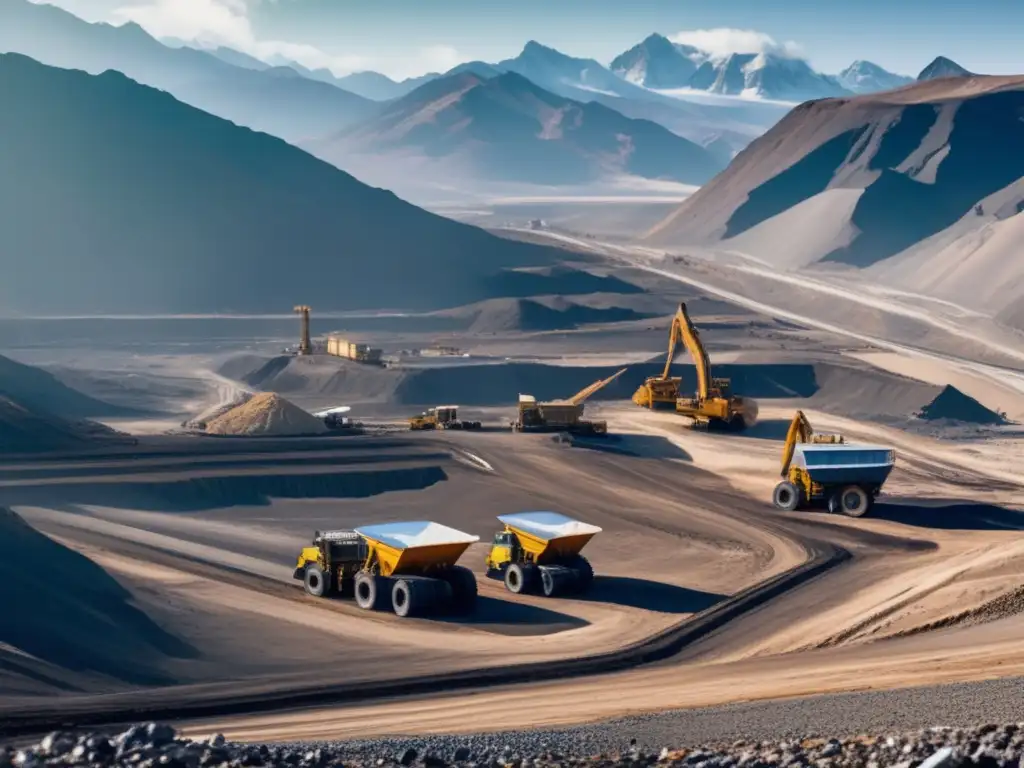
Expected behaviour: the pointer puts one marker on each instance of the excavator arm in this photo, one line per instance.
(691, 338)
(586, 392)
(801, 431)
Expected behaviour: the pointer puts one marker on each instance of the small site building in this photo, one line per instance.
(350, 350)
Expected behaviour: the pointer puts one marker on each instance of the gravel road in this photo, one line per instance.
(155, 744)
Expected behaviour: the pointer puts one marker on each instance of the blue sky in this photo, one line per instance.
(408, 37)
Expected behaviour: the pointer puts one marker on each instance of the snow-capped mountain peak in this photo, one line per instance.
(867, 77)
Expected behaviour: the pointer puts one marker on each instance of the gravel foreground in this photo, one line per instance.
(155, 744)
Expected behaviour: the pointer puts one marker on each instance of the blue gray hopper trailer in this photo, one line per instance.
(826, 470)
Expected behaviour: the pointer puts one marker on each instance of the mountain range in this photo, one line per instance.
(506, 128)
(922, 188)
(865, 77)
(658, 63)
(271, 100)
(143, 204)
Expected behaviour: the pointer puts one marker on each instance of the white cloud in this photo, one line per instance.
(225, 22)
(440, 58)
(722, 41)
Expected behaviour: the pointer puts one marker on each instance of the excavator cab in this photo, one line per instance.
(721, 388)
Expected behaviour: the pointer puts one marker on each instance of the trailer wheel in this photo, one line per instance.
(464, 589)
(520, 578)
(371, 591)
(555, 579)
(787, 496)
(315, 581)
(584, 572)
(403, 599)
(852, 501)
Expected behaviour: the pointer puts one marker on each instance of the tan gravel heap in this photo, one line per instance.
(266, 414)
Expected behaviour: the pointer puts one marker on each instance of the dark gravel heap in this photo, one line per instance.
(148, 746)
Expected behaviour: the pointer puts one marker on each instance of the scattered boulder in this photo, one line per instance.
(953, 405)
(266, 414)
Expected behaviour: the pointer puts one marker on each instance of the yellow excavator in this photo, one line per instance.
(825, 468)
(561, 415)
(713, 404)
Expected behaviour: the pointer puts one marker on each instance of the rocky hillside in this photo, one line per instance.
(505, 128)
(922, 184)
(293, 108)
(142, 204)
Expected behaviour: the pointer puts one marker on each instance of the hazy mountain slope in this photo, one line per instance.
(140, 203)
(372, 85)
(943, 67)
(507, 129)
(917, 161)
(976, 261)
(657, 62)
(586, 80)
(292, 108)
(237, 58)
(867, 77)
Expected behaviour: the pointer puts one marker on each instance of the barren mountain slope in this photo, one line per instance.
(144, 204)
(505, 128)
(934, 167)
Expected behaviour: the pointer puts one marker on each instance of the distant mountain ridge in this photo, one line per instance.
(143, 204)
(506, 128)
(867, 77)
(658, 63)
(291, 108)
(943, 67)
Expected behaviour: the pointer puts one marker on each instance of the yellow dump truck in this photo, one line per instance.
(407, 567)
(540, 552)
(561, 415)
(441, 417)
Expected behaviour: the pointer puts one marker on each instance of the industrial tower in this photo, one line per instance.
(305, 346)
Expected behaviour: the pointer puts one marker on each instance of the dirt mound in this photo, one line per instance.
(64, 610)
(953, 405)
(862, 392)
(28, 431)
(538, 314)
(266, 414)
(38, 390)
(216, 411)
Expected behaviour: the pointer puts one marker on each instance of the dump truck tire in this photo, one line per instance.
(520, 578)
(315, 581)
(787, 496)
(556, 579)
(372, 593)
(420, 596)
(852, 501)
(464, 589)
(584, 572)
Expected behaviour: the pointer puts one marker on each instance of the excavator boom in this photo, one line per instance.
(691, 338)
(801, 431)
(586, 392)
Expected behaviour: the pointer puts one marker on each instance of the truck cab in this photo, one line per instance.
(503, 550)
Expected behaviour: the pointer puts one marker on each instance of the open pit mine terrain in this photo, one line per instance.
(159, 475)
(168, 590)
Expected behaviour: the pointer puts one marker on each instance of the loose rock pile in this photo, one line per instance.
(147, 746)
(266, 414)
